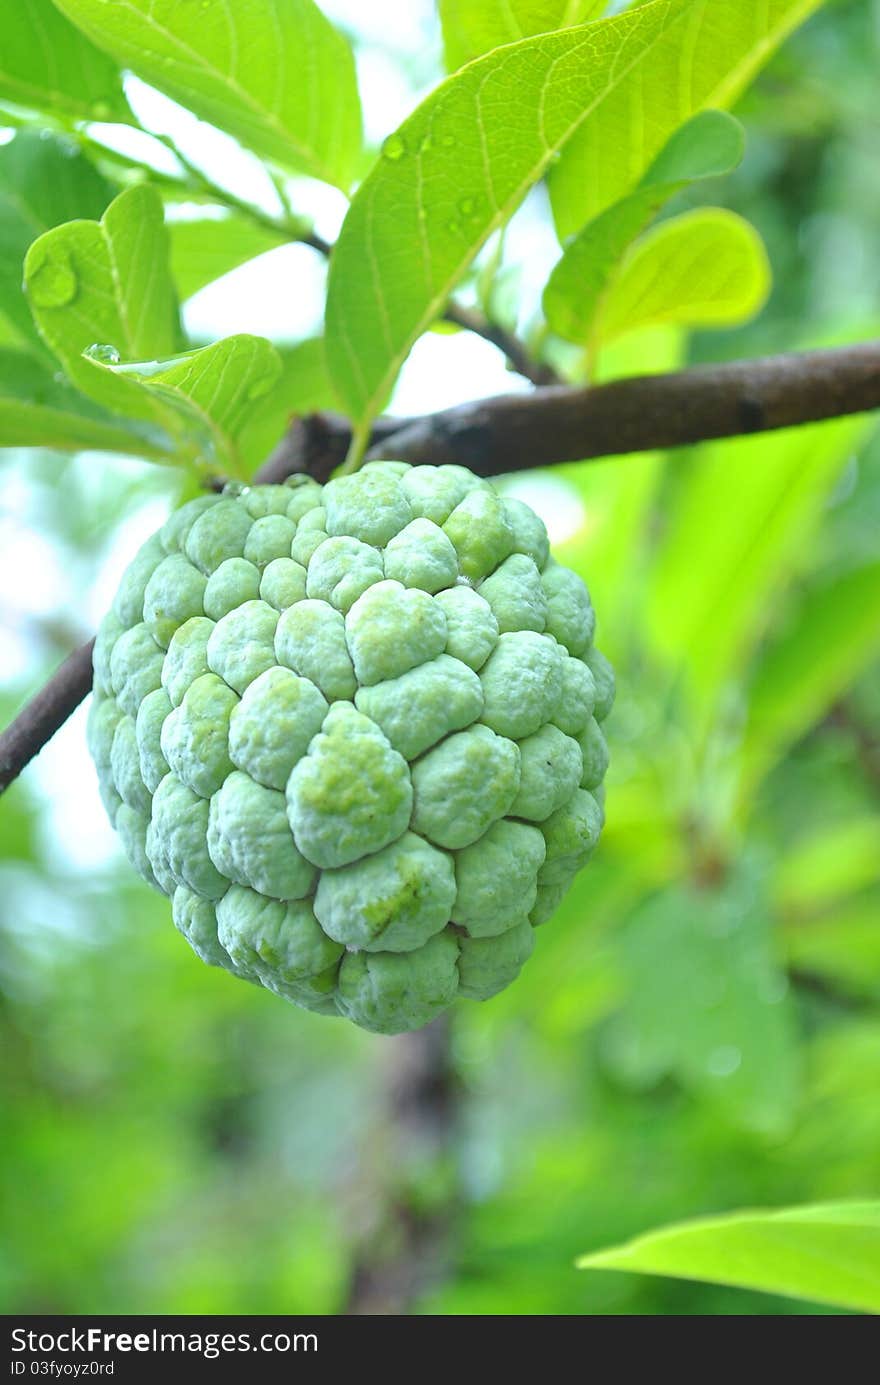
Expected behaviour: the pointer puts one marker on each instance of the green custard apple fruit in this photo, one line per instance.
(354, 733)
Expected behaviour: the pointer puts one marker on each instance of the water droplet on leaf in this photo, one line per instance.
(394, 147)
(453, 227)
(467, 206)
(103, 354)
(51, 279)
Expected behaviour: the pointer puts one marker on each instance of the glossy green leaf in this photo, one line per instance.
(708, 145)
(708, 55)
(273, 73)
(705, 268)
(471, 30)
(106, 283)
(103, 299)
(741, 517)
(453, 173)
(302, 387)
(829, 1252)
(833, 635)
(202, 398)
(47, 65)
(708, 1003)
(44, 180)
(205, 249)
(40, 409)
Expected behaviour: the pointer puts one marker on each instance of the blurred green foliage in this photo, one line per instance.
(699, 1029)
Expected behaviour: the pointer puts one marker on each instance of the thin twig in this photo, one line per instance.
(45, 713)
(518, 356)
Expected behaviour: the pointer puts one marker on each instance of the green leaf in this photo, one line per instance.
(47, 65)
(106, 283)
(453, 173)
(203, 398)
(302, 387)
(273, 73)
(741, 517)
(37, 409)
(708, 54)
(207, 248)
(708, 145)
(471, 30)
(708, 1003)
(828, 1252)
(44, 180)
(833, 635)
(705, 268)
(103, 299)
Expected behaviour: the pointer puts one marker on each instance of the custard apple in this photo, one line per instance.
(354, 733)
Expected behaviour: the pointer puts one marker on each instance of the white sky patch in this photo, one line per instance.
(557, 503)
(75, 831)
(126, 539)
(446, 368)
(279, 295)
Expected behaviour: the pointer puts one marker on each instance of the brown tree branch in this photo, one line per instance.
(45, 713)
(553, 424)
(558, 424)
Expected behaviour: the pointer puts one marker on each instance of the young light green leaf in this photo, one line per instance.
(204, 398)
(708, 1003)
(833, 636)
(742, 518)
(710, 144)
(103, 299)
(106, 283)
(47, 65)
(453, 173)
(705, 268)
(707, 56)
(203, 250)
(471, 30)
(44, 180)
(826, 1252)
(37, 409)
(275, 74)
